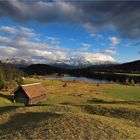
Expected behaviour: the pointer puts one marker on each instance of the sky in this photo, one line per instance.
(45, 31)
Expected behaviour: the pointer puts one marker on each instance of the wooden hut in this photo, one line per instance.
(30, 93)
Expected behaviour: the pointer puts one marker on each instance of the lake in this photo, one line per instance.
(73, 78)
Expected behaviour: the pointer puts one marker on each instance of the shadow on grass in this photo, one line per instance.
(39, 104)
(8, 97)
(98, 101)
(25, 123)
(7, 108)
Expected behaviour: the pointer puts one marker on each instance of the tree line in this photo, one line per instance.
(96, 72)
(9, 76)
(110, 76)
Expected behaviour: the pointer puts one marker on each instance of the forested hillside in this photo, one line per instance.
(9, 76)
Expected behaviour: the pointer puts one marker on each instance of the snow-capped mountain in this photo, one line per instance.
(68, 63)
(15, 60)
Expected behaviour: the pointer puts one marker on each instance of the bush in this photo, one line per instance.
(3, 84)
(9, 75)
(127, 82)
(132, 82)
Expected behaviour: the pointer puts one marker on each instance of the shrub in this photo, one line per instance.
(132, 82)
(3, 84)
(126, 82)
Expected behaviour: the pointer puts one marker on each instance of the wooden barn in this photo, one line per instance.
(30, 93)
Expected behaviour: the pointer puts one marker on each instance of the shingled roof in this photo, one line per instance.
(32, 90)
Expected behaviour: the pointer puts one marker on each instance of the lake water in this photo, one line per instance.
(72, 78)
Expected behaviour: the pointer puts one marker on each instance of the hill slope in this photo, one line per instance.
(43, 69)
(78, 111)
(64, 123)
(125, 67)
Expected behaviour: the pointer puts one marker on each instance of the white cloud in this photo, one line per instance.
(21, 39)
(7, 51)
(109, 52)
(96, 57)
(26, 31)
(22, 31)
(45, 56)
(72, 39)
(89, 27)
(4, 39)
(8, 29)
(114, 41)
(97, 36)
(85, 47)
(24, 44)
(37, 39)
(53, 40)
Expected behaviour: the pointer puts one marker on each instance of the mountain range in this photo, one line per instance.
(67, 64)
(43, 69)
(78, 65)
(99, 71)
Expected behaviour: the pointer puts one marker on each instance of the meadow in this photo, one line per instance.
(80, 110)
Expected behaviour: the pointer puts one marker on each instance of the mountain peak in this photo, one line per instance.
(69, 63)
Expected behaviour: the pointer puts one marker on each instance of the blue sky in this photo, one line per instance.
(64, 36)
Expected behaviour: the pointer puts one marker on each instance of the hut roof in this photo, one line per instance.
(32, 90)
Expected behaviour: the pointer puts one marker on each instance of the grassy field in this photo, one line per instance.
(79, 111)
(129, 74)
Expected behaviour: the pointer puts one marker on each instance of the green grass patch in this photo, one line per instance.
(129, 74)
(124, 92)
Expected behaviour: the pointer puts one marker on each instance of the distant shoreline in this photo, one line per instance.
(67, 77)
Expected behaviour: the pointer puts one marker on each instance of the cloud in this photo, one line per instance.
(53, 40)
(4, 39)
(85, 47)
(8, 29)
(29, 54)
(114, 41)
(23, 44)
(97, 36)
(19, 31)
(21, 39)
(26, 31)
(122, 16)
(108, 52)
(22, 11)
(72, 39)
(46, 56)
(137, 43)
(95, 57)
(7, 51)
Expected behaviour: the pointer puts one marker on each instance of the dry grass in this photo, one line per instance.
(79, 111)
(65, 122)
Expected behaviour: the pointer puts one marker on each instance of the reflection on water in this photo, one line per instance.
(72, 78)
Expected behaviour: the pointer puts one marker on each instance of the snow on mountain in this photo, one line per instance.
(69, 63)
